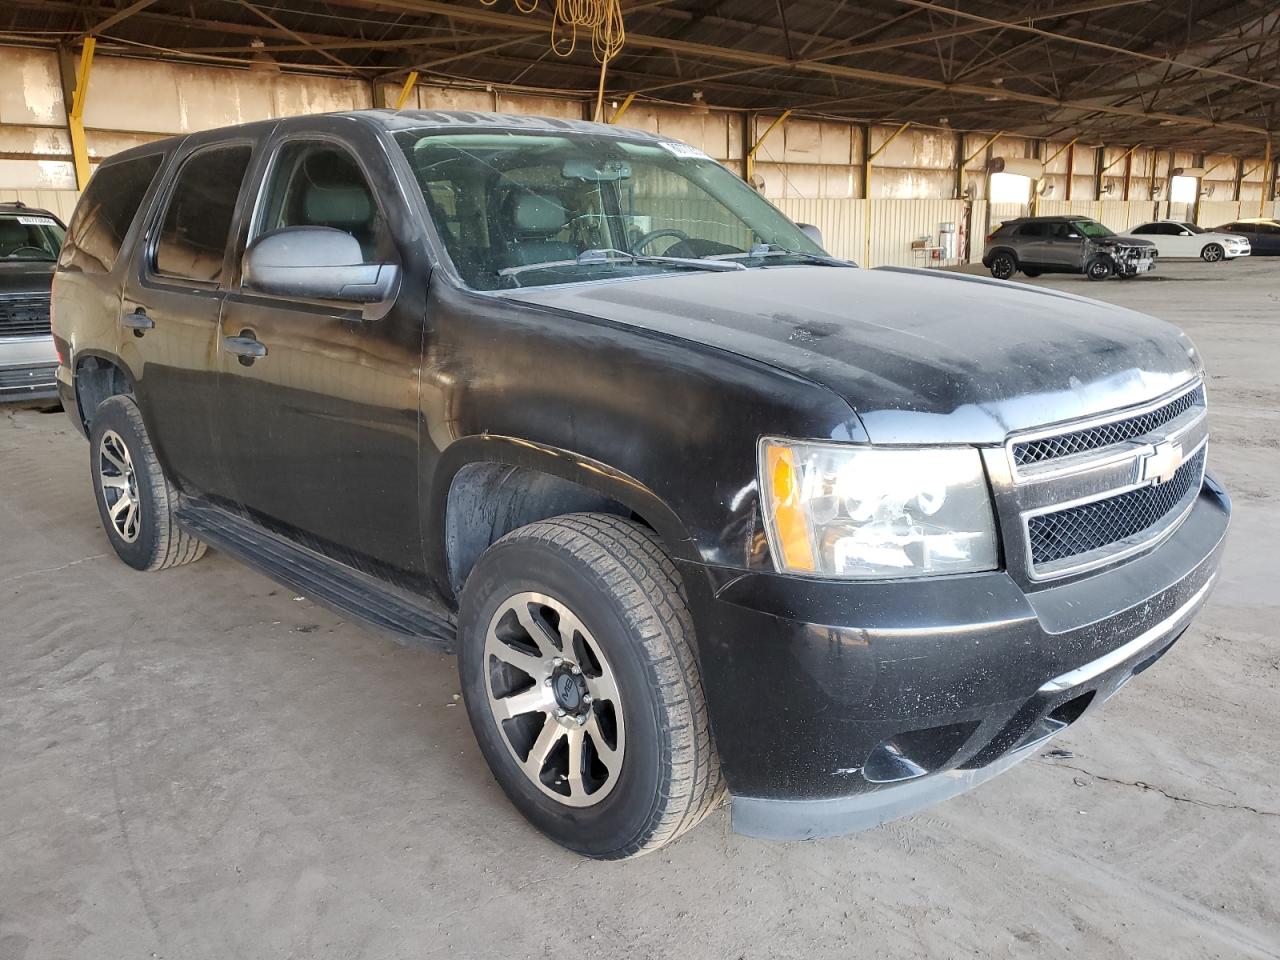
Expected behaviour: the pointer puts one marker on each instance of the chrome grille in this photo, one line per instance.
(24, 316)
(1096, 525)
(1104, 435)
(1082, 495)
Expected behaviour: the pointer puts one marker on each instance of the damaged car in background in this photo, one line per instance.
(1067, 244)
(704, 511)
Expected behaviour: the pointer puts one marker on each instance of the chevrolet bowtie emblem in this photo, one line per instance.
(1162, 462)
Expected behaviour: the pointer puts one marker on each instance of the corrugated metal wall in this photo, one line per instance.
(894, 225)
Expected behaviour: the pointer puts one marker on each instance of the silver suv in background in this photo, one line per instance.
(1065, 244)
(29, 243)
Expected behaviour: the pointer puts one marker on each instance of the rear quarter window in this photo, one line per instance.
(105, 212)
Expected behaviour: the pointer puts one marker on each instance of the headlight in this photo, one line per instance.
(837, 510)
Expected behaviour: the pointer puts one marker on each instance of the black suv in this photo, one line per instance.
(1037, 245)
(700, 507)
(29, 244)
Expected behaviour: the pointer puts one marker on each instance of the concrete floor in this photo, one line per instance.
(200, 764)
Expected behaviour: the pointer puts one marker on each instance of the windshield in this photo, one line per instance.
(1092, 229)
(521, 209)
(29, 237)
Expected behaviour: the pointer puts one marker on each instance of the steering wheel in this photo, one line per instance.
(653, 235)
(26, 246)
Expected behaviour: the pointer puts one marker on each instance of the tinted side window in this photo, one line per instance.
(1143, 230)
(1268, 228)
(105, 212)
(320, 184)
(1035, 230)
(197, 220)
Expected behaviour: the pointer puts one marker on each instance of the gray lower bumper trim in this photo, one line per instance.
(810, 819)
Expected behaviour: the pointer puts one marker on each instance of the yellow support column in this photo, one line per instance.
(626, 105)
(75, 116)
(409, 83)
(751, 154)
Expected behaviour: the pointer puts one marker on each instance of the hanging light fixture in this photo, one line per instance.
(698, 106)
(261, 61)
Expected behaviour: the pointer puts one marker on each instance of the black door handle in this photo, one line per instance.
(138, 321)
(247, 348)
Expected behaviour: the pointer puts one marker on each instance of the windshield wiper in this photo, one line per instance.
(763, 250)
(605, 254)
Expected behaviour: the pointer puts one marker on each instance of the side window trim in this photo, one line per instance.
(160, 207)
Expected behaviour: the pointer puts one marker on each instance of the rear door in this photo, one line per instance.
(320, 432)
(172, 300)
(1033, 246)
(94, 258)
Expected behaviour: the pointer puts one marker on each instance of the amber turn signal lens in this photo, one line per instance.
(789, 522)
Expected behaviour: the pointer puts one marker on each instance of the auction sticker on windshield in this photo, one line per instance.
(683, 151)
(38, 221)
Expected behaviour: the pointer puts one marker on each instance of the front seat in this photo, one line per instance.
(529, 223)
(346, 208)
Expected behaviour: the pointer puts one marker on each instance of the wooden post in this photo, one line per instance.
(1268, 180)
(1071, 168)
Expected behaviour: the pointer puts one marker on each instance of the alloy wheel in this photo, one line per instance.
(119, 483)
(554, 699)
(1212, 253)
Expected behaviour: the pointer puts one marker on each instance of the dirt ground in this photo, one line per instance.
(200, 764)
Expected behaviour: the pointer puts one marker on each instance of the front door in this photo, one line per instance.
(1065, 249)
(320, 430)
(172, 300)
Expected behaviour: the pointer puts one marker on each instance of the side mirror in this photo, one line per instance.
(812, 232)
(1185, 233)
(317, 263)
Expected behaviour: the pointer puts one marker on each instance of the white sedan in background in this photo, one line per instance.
(1174, 238)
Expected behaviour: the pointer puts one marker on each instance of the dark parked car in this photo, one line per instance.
(1037, 245)
(29, 243)
(698, 506)
(1263, 234)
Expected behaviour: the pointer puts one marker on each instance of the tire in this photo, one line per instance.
(1212, 253)
(650, 771)
(124, 468)
(1003, 266)
(1099, 268)
(1031, 273)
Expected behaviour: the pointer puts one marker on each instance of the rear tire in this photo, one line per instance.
(584, 616)
(1003, 266)
(1212, 253)
(135, 501)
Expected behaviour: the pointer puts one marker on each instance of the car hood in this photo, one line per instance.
(922, 356)
(1124, 239)
(19, 277)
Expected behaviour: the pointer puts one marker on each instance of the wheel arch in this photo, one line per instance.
(97, 375)
(487, 486)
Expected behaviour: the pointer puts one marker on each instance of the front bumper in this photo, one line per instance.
(27, 369)
(838, 706)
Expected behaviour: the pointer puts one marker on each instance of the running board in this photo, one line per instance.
(406, 618)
